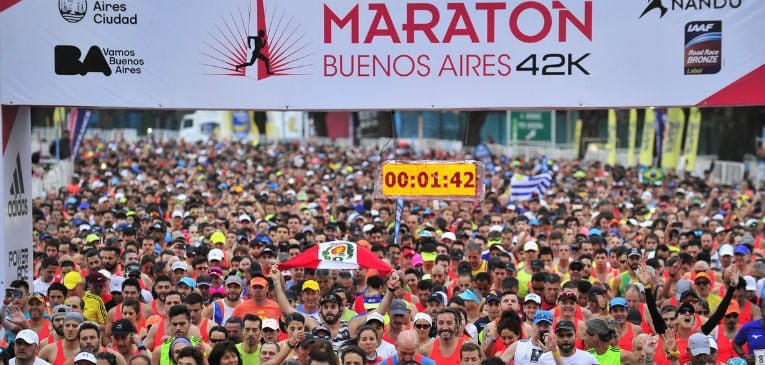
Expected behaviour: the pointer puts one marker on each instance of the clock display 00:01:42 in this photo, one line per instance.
(459, 179)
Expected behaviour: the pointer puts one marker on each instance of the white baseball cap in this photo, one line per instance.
(751, 284)
(28, 336)
(726, 250)
(448, 236)
(85, 356)
(533, 297)
(215, 254)
(179, 265)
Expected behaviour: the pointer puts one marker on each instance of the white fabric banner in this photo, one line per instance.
(335, 54)
(16, 253)
(338, 255)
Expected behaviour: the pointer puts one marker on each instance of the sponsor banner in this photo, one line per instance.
(16, 255)
(673, 138)
(611, 137)
(632, 135)
(692, 139)
(341, 55)
(578, 137)
(649, 132)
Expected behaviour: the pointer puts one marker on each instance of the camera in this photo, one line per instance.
(542, 334)
(13, 293)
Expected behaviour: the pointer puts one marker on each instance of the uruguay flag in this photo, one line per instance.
(522, 187)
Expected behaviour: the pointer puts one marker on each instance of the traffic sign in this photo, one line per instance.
(532, 126)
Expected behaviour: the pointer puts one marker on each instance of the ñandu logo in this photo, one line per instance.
(338, 251)
(688, 5)
(244, 44)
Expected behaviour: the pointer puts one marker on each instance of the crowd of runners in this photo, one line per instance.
(161, 254)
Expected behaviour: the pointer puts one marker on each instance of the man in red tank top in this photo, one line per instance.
(446, 347)
(627, 331)
(125, 340)
(56, 353)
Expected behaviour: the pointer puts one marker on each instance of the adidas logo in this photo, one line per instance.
(18, 205)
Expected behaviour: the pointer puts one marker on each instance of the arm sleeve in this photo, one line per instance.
(658, 322)
(740, 338)
(719, 312)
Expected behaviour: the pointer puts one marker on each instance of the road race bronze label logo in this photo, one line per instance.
(703, 47)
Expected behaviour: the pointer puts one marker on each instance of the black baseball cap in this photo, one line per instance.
(565, 325)
(123, 327)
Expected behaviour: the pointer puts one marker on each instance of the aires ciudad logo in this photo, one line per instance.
(103, 12)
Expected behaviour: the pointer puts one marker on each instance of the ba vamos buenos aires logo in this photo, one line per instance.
(257, 41)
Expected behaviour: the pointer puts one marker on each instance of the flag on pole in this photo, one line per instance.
(522, 187)
(77, 125)
(631, 137)
(611, 137)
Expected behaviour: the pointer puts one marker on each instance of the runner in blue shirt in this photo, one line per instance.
(753, 334)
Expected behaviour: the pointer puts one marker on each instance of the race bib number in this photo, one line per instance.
(759, 357)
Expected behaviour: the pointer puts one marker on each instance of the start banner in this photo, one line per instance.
(340, 54)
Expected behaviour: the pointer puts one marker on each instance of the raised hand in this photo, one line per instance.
(649, 348)
(275, 274)
(645, 275)
(735, 275)
(669, 339)
(393, 282)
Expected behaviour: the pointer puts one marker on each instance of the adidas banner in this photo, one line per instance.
(16, 244)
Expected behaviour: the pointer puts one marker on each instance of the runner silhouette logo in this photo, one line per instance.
(242, 44)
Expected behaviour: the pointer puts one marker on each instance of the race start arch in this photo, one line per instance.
(360, 55)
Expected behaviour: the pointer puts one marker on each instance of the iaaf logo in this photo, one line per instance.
(244, 44)
(688, 5)
(18, 205)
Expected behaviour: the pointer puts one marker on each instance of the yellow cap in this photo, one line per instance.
(91, 238)
(428, 256)
(218, 237)
(71, 279)
(310, 284)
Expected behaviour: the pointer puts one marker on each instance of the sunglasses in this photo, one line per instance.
(324, 337)
(686, 311)
(422, 326)
(216, 340)
(623, 262)
(702, 283)
(732, 316)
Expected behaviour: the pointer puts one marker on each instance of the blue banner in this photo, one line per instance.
(397, 224)
(78, 124)
(661, 126)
